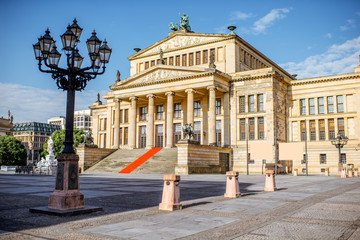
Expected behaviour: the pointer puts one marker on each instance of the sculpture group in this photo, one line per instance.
(48, 164)
(184, 24)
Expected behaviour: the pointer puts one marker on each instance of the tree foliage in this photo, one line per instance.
(59, 137)
(12, 152)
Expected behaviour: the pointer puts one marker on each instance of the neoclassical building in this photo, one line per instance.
(234, 97)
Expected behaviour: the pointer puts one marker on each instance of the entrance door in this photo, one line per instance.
(142, 138)
(177, 132)
(159, 136)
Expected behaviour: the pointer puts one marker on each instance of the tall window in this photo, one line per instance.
(322, 158)
(160, 112)
(197, 109)
(321, 105)
(312, 130)
(198, 58)
(152, 63)
(212, 52)
(302, 107)
(121, 116)
(218, 132)
(330, 101)
(120, 135)
(331, 127)
(303, 130)
(312, 106)
(343, 158)
(251, 128)
(126, 115)
(177, 60)
(177, 132)
(341, 126)
(143, 112)
(191, 59)
(322, 129)
(171, 60)
(340, 103)
(146, 65)
(184, 59)
(205, 56)
(242, 104)
(218, 106)
(251, 103)
(261, 127)
(242, 129)
(177, 110)
(126, 135)
(197, 131)
(165, 61)
(260, 102)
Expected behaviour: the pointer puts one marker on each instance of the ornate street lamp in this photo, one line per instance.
(73, 78)
(339, 142)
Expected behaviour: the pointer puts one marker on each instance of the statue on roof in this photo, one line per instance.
(98, 97)
(184, 24)
(118, 75)
(174, 27)
(11, 119)
(8, 114)
(212, 60)
(162, 56)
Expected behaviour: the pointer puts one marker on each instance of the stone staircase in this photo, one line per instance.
(163, 162)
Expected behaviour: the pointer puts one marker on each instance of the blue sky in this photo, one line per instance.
(308, 38)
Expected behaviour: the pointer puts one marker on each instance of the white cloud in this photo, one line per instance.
(350, 24)
(34, 104)
(328, 35)
(237, 15)
(337, 59)
(268, 20)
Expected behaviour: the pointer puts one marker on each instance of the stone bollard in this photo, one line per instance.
(232, 185)
(269, 181)
(295, 173)
(356, 173)
(326, 172)
(171, 193)
(350, 173)
(343, 173)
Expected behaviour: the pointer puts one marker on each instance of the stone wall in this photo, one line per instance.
(89, 155)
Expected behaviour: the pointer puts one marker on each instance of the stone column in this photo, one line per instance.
(132, 122)
(117, 124)
(150, 123)
(169, 119)
(108, 127)
(212, 116)
(190, 106)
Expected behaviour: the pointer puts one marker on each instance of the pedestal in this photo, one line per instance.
(295, 173)
(326, 172)
(232, 185)
(343, 173)
(171, 193)
(270, 181)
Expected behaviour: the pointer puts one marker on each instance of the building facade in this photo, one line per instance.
(33, 135)
(82, 120)
(234, 96)
(60, 121)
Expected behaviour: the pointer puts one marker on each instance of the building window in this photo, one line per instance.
(341, 126)
(312, 106)
(126, 135)
(312, 130)
(260, 102)
(302, 107)
(251, 128)
(330, 101)
(331, 128)
(197, 109)
(177, 110)
(158, 61)
(251, 103)
(184, 58)
(126, 115)
(152, 63)
(321, 105)
(177, 132)
(218, 106)
(198, 58)
(343, 158)
(322, 129)
(120, 136)
(165, 61)
(191, 59)
(242, 129)
(261, 128)
(205, 56)
(218, 132)
(143, 112)
(212, 52)
(171, 60)
(121, 116)
(146, 65)
(242, 104)
(340, 103)
(322, 158)
(303, 130)
(177, 60)
(197, 131)
(159, 112)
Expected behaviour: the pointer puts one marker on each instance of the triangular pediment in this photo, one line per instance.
(157, 74)
(178, 41)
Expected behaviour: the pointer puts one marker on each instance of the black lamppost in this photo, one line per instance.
(339, 142)
(72, 78)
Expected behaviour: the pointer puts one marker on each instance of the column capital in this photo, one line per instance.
(189, 90)
(170, 93)
(133, 98)
(151, 96)
(117, 100)
(211, 88)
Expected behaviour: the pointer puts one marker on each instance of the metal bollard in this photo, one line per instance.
(326, 172)
(295, 173)
(269, 181)
(343, 172)
(232, 185)
(171, 193)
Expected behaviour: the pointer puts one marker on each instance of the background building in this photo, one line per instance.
(6, 125)
(33, 135)
(57, 121)
(82, 120)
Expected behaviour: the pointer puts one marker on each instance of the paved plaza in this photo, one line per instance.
(304, 207)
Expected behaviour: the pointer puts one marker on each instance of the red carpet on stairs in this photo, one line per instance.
(135, 164)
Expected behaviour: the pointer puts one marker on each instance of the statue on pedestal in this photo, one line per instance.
(188, 132)
(184, 24)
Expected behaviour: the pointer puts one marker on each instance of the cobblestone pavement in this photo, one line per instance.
(304, 207)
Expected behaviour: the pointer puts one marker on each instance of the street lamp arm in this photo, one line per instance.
(97, 73)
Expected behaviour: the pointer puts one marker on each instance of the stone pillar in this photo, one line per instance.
(326, 172)
(169, 119)
(212, 116)
(190, 106)
(232, 185)
(108, 127)
(132, 122)
(150, 123)
(117, 124)
(270, 185)
(171, 193)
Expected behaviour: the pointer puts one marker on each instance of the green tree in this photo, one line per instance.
(12, 152)
(59, 137)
